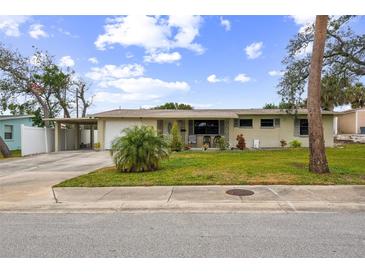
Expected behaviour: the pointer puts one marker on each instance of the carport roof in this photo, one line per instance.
(83, 120)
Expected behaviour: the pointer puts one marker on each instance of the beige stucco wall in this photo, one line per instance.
(360, 119)
(346, 123)
(270, 137)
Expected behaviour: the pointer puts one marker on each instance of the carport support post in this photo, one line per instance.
(101, 127)
(77, 136)
(57, 136)
(92, 136)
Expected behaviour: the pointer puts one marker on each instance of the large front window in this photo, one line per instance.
(206, 127)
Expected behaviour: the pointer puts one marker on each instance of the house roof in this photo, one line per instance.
(13, 117)
(195, 113)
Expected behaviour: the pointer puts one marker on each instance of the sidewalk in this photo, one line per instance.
(271, 198)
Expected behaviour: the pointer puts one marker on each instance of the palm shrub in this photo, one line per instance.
(139, 149)
(295, 143)
(175, 138)
(221, 143)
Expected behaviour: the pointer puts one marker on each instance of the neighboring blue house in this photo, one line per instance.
(10, 129)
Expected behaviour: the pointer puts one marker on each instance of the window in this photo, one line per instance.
(303, 126)
(245, 122)
(269, 123)
(206, 127)
(8, 130)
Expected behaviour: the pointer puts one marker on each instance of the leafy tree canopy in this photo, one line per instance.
(172, 105)
(344, 63)
(281, 105)
(36, 85)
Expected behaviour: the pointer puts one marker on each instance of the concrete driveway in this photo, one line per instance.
(29, 179)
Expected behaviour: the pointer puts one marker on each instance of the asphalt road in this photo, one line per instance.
(182, 235)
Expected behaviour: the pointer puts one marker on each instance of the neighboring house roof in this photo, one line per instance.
(14, 117)
(195, 113)
(349, 111)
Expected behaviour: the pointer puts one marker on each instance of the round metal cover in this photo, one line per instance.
(240, 192)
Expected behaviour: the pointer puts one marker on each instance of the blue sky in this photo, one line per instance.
(140, 61)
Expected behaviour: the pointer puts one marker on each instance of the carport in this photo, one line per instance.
(75, 125)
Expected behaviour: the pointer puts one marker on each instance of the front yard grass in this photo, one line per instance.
(14, 153)
(288, 166)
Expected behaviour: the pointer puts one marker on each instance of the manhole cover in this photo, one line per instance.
(240, 192)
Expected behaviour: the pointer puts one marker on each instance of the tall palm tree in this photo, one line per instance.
(317, 153)
(356, 95)
(333, 91)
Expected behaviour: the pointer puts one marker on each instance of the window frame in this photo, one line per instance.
(273, 123)
(206, 132)
(300, 127)
(11, 132)
(239, 123)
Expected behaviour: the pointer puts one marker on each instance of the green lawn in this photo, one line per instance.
(14, 153)
(287, 166)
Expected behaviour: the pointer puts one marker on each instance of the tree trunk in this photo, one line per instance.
(4, 150)
(317, 154)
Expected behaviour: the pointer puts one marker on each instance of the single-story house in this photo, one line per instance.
(351, 121)
(10, 129)
(263, 127)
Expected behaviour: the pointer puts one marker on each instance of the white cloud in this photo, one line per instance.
(187, 29)
(162, 57)
(138, 89)
(93, 60)
(276, 73)
(36, 31)
(152, 32)
(9, 25)
(304, 21)
(145, 85)
(214, 79)
(131, 83)
(112, 72)
(254, 50)
(225, 23)
(67, 61)
(243, 78)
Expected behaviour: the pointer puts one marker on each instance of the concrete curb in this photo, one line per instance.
(268, 206)
(273, 198)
